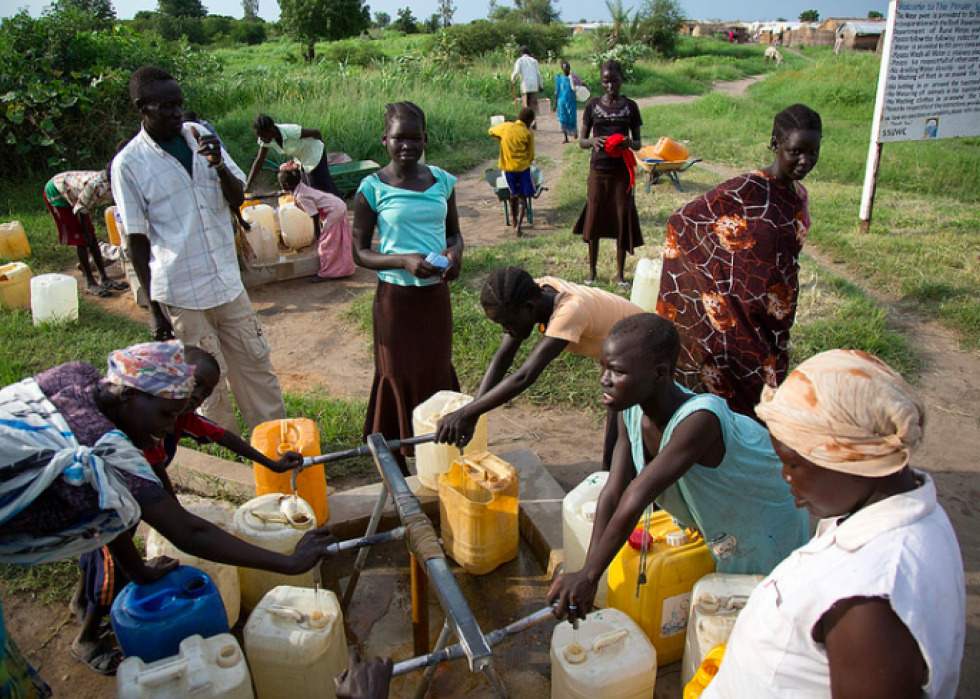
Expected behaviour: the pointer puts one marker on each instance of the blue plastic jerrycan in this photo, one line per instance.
(151, 620)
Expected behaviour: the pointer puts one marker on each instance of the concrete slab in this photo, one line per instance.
(291, 265)
(202, 474)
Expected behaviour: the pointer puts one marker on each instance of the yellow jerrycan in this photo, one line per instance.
(275, 438)
(478, 508)
(675, 560)
(709, 668)
(13, 241)
(112, 226)
(15, 286)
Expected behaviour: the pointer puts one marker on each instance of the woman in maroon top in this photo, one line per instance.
(610, 211)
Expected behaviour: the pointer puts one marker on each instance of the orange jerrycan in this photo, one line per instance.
(670, 150)
(112, 226)
(275, 438)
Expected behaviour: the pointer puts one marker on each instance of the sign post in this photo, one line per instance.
(929, 82)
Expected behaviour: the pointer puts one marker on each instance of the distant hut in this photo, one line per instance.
(863, 35)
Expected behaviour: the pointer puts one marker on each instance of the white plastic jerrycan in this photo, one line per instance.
(275, 522)
(261, 214)
(609, 656)
(205, 668)
(224, 576)
(265, 244)
(646, 284)
(432, 460)
(716, 601)
(295, 644)
(54, 298)
(577, 518)
(296, 226)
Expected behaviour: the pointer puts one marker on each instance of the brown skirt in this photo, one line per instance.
(413, 352)
(610, 211)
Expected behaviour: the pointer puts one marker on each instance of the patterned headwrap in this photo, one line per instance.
(846, 411)
(156, 368)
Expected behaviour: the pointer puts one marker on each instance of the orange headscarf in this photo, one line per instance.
(846, 411)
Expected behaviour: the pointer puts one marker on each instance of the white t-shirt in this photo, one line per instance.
(306, 151)
(902, 549)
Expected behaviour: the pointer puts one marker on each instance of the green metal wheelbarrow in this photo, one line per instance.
(347, 176)
(498, 183)
(654, 168)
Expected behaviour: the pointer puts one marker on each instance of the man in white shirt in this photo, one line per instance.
(174, 186)
(531, 80)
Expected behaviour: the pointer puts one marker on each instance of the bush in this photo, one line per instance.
(249, 32)
(478, 38)
(57, 83)
(355, 53)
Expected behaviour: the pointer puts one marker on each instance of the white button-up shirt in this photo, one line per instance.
(189, 224)
(527, 68)
(901, 549)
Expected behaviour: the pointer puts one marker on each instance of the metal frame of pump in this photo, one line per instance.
(428, 565)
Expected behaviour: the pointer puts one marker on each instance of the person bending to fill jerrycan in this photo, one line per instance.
(713, 470)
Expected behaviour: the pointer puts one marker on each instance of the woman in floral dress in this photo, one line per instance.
(731, 262)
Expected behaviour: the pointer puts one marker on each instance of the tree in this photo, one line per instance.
(874, 14)
(663, 19)
(308, 21)
(406, 21)
(537, 11)
(382, 19)
(809, 16)
(182, 8)
(431, 25)
(251, 9)
(101, 10)
(446, 11)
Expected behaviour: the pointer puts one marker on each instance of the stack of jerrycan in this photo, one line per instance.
(275, 438)
(277, 523)
(204, 668)
(295, 643)
(478, 509)
(13, 241)
(655, 589)
(151, 620)
(263, 236)
(224, 576)
(15, 286)
(716, 602)
(432, 460)
(609, 656)
(578, 516)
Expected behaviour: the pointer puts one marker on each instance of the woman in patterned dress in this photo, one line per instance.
(731, 261)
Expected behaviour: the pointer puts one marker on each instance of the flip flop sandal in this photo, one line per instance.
(103, 659)
(116, 286)
(99, 291)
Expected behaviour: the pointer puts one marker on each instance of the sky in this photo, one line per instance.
(571, 10)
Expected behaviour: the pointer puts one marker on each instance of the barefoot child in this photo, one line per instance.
(570, 317)
(710, 468)
(70, 196)
(420, 250)
(102, 580)
(516, 154)
(334, 243)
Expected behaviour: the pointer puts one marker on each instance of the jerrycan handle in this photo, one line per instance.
(486, 477)
(162, 675)
(285, 443)
(609, 638)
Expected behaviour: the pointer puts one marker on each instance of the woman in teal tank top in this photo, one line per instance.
(420, 250)
(708, 467)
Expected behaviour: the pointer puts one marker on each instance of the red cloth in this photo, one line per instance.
(191, 425)
(617, 148)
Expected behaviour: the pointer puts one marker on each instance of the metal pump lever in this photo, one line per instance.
(357, 451)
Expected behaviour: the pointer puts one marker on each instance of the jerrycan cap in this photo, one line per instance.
(640, 538)
(676, 538)
(229, 656)
(575, 654)
(588, 510)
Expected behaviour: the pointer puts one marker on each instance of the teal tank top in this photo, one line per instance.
(409, 222)
(743, 508)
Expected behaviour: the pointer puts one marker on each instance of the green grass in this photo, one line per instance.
(48, 583)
